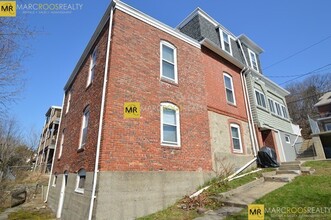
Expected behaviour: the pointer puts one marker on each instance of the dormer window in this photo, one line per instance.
(225, 42)
(252, 58)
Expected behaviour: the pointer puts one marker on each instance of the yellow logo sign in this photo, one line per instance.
(7, 9)
(255, 212)
(131, 109)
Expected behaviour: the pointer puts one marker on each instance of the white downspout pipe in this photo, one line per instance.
(247, 102)
(242, 72)
(53, 160)
(96, 167)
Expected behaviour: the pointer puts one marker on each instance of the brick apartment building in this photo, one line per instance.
(193, 118)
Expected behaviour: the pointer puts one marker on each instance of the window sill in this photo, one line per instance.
(80, 149)
(166, 145)
(170, 81)
(232, 104)
(88, 86)
(79, 190)
(262, 108)
(237, 152)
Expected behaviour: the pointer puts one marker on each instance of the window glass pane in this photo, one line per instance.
(168, 70)
(263, 101)
(225, 37)
(236, 143)
(284, 112)
(229, 96)
(258, 99)
(81, 182)
(169, 116)
(271, 105)
(227, 81)
(235, 132)
(167, 54)
(169, 133)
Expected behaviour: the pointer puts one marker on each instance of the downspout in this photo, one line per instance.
(53, 160)
(242, 72)
(247, 102)
(96, 167)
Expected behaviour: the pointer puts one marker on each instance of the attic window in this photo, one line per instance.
(225, 42)
(252, 57)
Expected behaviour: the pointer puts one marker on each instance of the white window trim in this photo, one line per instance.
(233, 92)
(250, 52)
(281, 111)
(175, 61)
(61, 144)
(77, 189)
(54, 180)
(283, 107)
(265, 100)
(222, 41)
(240, 142)
(289, 139)
(92, 66)
(68, 101)
(273, 105)
(174, 107)
(86, 110)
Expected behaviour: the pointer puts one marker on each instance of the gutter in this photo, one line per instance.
(55, 148)
(96, 168)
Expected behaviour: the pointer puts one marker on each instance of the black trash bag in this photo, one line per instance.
(266, 157)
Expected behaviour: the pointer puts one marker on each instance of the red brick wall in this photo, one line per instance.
(134, 75)
(214, 67)
(71, 159)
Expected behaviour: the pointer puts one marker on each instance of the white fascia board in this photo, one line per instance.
(212, 46)
(251, 44)
(155, 23)
(280, 90)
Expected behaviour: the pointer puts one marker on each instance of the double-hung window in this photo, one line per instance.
(272, 106)
(93, 61)
(253, 59)
(168, 61)
(260, 99)
(236, 138)
(285, 114)
(61, 144)
(225, 42)
(86, 116)
(278, 109)
(170, 129)
(68, 101)
(229, 90)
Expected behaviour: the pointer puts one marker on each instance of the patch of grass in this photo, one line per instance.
(28, 214)
(306, 194)
(218, 185)
(172, 213)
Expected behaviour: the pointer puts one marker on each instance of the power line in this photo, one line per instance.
(305, 74)
(308, 97)
(288, 76)
(296, 53)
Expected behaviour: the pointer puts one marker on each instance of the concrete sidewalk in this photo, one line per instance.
(237, 199)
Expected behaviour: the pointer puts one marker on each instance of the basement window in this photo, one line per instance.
(236, 138)
(80, 181)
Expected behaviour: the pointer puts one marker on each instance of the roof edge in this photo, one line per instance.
(243, 38)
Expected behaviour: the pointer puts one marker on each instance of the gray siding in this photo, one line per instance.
(244, 46)
(192, 28)
(199, 28)
(263, 117)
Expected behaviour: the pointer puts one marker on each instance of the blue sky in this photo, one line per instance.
(280, 27)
